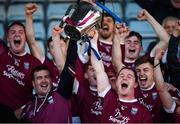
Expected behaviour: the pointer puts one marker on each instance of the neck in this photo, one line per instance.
(126, 97)
(18, 54)
(109, 39)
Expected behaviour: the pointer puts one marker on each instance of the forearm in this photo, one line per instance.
(101, 76)
(30, 33)
(160, 31)
(163, 92)
(158, 75)
(67, 77)
(117, 56)
(58, 55)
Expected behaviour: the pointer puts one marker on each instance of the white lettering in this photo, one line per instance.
(119, 118)
(96, 112)
(141, 101)
(12, 73)
(11, 76)
(15, 72)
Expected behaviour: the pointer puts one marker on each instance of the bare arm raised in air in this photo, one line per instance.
(60, 48)
(121, 31)
(167, 100)
(30, 33)
(101, 76)
(160, 31)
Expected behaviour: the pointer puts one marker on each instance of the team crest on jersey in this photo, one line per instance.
(134, 111)
(123, 107)
(26, 65)
(50, 100)
(154, 95)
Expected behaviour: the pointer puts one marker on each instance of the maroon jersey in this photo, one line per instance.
(89, 102)
(151, 100)
(90, 105)
(105, 50)
(53, 109)
(176, 95)
(15, 78)
(116, 110)
(176, 118)
(55, 74)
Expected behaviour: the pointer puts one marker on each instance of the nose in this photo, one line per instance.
(141, 73)
(43, 79)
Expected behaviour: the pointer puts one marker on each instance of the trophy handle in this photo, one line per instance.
(72, 6)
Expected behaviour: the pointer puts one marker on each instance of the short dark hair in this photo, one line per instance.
(108, 15)
(39, 68)
(144, 59)
(15, 23)
(132, 69)
(134, 33)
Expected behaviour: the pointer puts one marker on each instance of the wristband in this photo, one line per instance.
(157, 65)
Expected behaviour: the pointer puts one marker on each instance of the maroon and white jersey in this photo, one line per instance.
(121, 111)
(105, 50)
(151, 100)
(15, 78)
(53, 109)
(88, 100)
(55, 74)
(90, 104)
(176, 96)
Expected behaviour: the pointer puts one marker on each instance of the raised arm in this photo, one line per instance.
(121, 31)
(160, 31)
(68, 73)
(101, 76)
(35, 49)
(165, 96)
(60, 48)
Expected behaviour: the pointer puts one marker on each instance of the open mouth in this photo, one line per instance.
(143, 79)
(132, 50)
(95, 78)
(124, 85)
(44, 85)
(105, 28)
(17, 40)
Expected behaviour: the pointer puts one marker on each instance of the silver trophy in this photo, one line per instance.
(83, 18)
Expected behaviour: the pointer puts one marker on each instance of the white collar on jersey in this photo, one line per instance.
(105, 41)
(129, 61)
(153, 84)
(22, 54)
(128, 101)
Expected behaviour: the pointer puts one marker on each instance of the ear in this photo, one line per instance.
(135, 85)
(33, 83)
(141, 49)
(85, 75)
